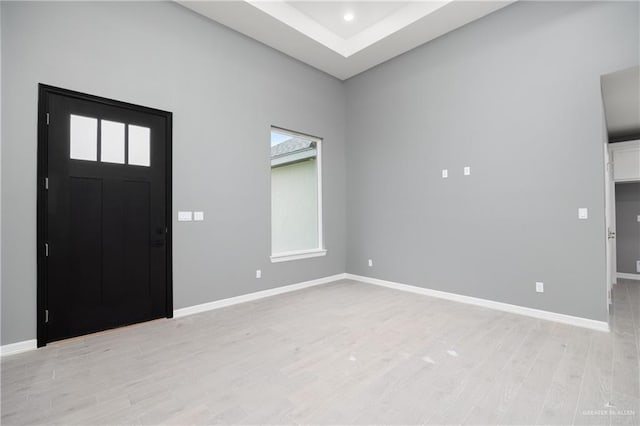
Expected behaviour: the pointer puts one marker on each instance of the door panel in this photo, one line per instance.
(137, 239)
(105, 215)
(85, 240)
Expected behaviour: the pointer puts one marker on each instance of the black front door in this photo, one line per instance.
(106, 220)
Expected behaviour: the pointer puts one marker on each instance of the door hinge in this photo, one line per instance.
(46, 249)
(46, 183)
(47, 119)
(46, 315)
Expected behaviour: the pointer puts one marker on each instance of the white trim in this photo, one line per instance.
(616, 146)
(18, 347)
(610, 218)
(296, 255)
(28, 345)
(216, 304)
(514, 309)
(319, 147)
(627, 276)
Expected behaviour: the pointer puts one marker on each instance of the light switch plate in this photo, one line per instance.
(467, 171)
(445, 173)
(583, 213)
(638, 218)
(198, 216)
(184, 216)
(258, 273)
(540, 287)
(370, 262)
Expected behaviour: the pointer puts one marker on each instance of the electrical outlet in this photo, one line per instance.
(445, 173)
(258, 273)
(638, 266)
(583, 213)
(370, 262)
(467, 171)
(540, 287)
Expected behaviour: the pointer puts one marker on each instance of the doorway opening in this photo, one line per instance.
(623, 211)
(627, 206)
(104, 214)
(621, 107)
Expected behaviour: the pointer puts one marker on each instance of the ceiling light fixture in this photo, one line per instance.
(349, 17)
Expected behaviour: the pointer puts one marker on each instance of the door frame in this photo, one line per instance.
(611, 148)
(42, 286)
(610, 223)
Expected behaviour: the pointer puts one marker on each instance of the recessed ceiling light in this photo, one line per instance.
(349, 17)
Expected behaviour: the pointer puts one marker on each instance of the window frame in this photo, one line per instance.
(307, 253)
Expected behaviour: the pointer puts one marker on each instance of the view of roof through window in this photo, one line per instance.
(286, 149)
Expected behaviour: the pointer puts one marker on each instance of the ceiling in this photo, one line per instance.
(315, 32)
(621, 97)
(330, 14)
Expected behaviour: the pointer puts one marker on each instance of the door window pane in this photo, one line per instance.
(112, 142)
(139, 145)
(84, 138)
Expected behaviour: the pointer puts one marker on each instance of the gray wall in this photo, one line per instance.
(225, 91)
(516, 96)
(1, 226)
(627, 227)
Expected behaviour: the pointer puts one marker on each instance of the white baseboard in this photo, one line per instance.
(506, 307)
(217, 304)
(28, 345)
(628, 276)
(18, 347)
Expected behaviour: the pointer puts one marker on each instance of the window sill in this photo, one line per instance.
(296, 255)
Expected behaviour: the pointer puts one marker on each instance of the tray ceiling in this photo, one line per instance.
(317, 33)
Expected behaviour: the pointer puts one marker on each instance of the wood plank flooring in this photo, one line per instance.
(342, 353)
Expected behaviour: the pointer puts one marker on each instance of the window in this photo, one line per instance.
(139, 145)
(83, 141)
(84, 138)
(112, 142)
(296, 196)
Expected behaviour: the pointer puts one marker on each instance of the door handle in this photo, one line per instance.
(157, 243)
(161, 236)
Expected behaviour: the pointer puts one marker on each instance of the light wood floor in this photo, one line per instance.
(341, 353)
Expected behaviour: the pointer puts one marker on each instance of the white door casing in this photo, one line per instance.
(610, 221)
